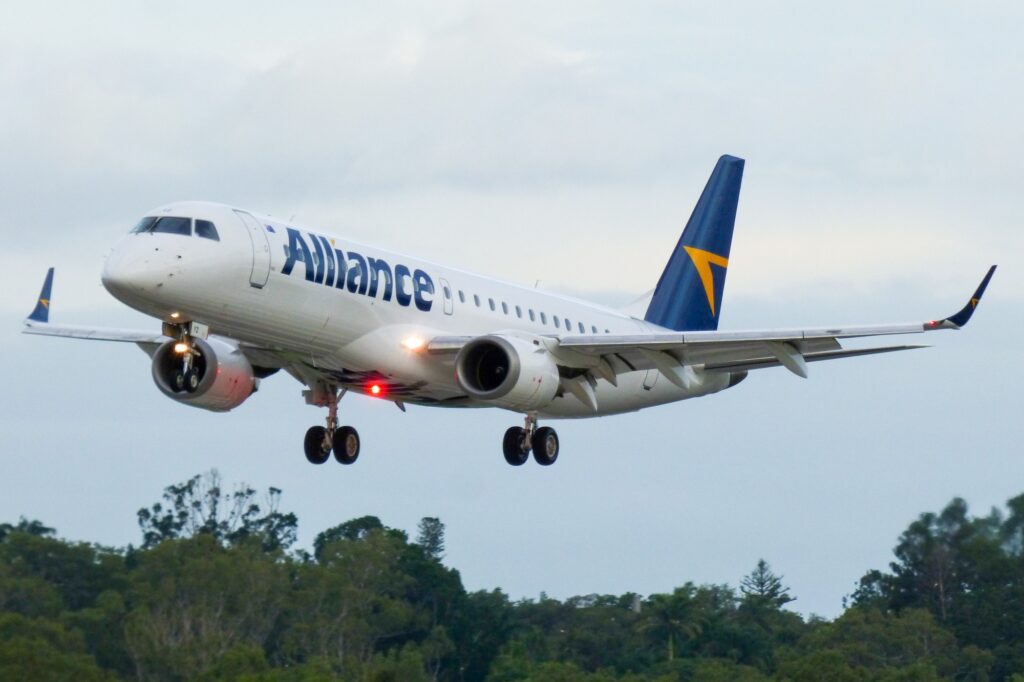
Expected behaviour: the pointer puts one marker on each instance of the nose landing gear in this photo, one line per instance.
(520, 440)
(320, 441)
(189, 373)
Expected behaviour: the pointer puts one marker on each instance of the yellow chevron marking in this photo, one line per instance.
(45, 302)
(703, 260)
(974, 303)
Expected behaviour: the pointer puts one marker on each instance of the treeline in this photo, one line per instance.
(215, 591)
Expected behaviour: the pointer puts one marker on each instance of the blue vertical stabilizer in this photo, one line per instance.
(689, 294)
(41, 313)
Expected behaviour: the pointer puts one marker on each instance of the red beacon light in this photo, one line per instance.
(376, 389)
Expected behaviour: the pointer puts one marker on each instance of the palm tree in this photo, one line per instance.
(673, 618)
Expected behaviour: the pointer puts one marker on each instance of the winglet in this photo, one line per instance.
(961, 318)
(41, 313)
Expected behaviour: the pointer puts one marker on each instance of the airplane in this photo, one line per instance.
(242, 296)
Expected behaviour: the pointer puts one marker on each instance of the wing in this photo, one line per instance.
(38, 322)
(678, 354)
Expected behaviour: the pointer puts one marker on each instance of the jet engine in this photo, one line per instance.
(225, 377)
(507, 371)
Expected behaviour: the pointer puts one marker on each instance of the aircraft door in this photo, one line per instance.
(447, 296)
(260, 250)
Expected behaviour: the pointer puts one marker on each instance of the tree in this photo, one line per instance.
(77, 571)
(763, 590)
(431, 537)
(200, 506)
(356, 529)
(39, 649)
(672, 618)
(28, 527)
(349, 603)
(868, 644)
(194, 600)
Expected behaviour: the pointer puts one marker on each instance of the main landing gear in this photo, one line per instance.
(520, 440)
(342, 440)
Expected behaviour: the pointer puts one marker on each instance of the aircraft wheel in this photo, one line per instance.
(179, 381)
(317, 450)
(512, 445)
(346, 444)
(191, 381)
(545, 446)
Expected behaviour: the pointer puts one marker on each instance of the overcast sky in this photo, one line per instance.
(563, 144)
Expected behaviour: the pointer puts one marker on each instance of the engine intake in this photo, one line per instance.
(226, 378)
(507, 371)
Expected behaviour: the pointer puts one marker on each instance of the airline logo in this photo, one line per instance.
(324, 264)
(703, 260)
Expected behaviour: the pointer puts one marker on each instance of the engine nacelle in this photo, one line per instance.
(508, 371)
(226, 378)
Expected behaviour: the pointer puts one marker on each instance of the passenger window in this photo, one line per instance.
(171, 225)
(476, 299)
(206, 230)
(543, 318)
(554, 318)
(568, 325)
(490, 302)
(583, 330)
(607, 332)
(144, 225)
(504, 307)
(533, 318)
(519, 312)
(593, 330)
(447, 293)
(462, 296)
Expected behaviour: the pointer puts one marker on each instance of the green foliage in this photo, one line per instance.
(25, 526)
(763, 592)
(194, 600)
(968, 572)
(200, 506)
(214, 595)
(431, 537)
(37, 649)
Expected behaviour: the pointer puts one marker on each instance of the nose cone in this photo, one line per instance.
(132, 276)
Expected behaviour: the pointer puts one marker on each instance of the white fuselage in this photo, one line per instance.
(355, 318)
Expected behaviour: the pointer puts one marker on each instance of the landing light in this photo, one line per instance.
(175, 315)
(181, 347)
(414, 343)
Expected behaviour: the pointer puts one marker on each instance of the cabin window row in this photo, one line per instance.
(531, 314)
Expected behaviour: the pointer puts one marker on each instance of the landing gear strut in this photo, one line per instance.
(520, 440)
(321, 440)
(187, 376)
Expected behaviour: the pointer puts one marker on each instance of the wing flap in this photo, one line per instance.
(772, 361)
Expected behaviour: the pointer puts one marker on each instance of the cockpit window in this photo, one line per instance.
(173, 225)
(206, 230)
(144, 225)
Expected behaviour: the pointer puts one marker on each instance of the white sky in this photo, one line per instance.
(883, 176)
